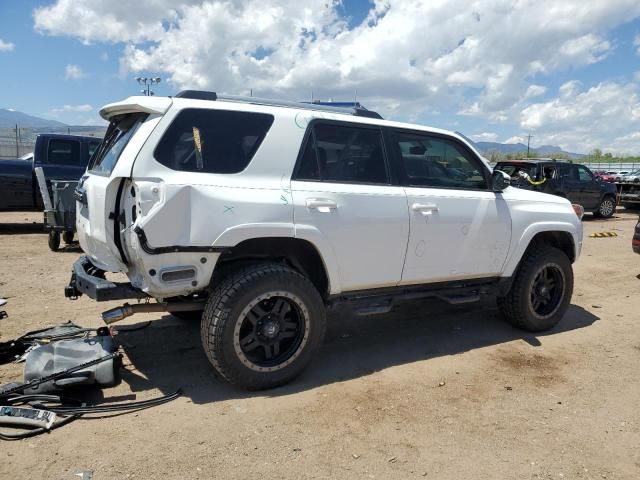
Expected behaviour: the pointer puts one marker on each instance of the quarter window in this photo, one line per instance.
(212, 141)
(430, 161)
(343, 154)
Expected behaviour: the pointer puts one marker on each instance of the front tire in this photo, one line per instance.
(541, 290)
(607, 208)
(261, 325)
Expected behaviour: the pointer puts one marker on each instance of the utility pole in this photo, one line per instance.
(529, 137)
(17, 146)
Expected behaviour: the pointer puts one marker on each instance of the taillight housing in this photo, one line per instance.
(579, 209)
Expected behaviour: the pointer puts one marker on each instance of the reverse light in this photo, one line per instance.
(579, 209)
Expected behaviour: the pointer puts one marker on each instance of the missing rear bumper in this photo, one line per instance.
(87, 279)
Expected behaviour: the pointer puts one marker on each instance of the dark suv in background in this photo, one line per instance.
(570, 180)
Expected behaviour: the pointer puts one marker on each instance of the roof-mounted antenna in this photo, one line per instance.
(355, 97)
(251, 92)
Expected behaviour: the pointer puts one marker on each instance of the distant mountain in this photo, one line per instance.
(9, 119)
(507, 148)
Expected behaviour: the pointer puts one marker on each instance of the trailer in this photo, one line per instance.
(629, 194)
(59, 208)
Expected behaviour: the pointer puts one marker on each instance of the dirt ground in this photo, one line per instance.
(429, 390)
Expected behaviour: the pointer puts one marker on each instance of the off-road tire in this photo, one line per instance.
(516, 305)
(54, 240)
(235, 292)
(607, 207)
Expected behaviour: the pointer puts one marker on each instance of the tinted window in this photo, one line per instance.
(92, 146)
(570, 172)
(119, 132)
(309, 169)
(584, 175)
(63, 152)
(212, 141)
(342, 153)
(437, 162)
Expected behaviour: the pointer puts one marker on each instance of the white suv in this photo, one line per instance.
(257, 215)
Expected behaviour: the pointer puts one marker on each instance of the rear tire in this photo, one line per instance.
(541, 290)
(261, 325)
(607, 208)
(54, 240)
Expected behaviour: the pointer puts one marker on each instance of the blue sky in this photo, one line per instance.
(566, 72)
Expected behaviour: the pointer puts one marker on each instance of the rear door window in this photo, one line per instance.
(119, 132)
(212, 141)
(63, 152)
(343, 154)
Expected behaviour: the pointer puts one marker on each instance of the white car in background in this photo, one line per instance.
(633, 177)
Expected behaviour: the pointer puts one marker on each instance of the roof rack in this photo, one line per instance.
(357, 111)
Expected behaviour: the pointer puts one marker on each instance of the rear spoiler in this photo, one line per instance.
(136, 104)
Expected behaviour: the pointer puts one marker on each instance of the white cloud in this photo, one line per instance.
(73, 72)
(71, 108)
(6, 46)
(570, 88)
(479, 59)
(636, 43)
(535, 91)
(515, 139)
(605, 116)
(485, 137)
(491, 48)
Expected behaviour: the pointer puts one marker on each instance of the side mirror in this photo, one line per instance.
(499, 181)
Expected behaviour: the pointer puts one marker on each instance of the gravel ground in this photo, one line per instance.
(427, 391)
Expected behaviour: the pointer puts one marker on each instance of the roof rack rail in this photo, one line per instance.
(357, 111)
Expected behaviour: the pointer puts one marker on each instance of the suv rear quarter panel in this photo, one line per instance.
(207, 209)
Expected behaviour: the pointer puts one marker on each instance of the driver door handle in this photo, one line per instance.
(424, 208)
(321, 204)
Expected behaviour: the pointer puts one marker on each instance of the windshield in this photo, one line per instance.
(120, 130)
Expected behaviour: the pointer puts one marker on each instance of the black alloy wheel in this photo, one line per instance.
(547, 290)
(262, 324)
(271, 331)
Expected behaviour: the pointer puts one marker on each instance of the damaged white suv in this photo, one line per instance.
(257, 215)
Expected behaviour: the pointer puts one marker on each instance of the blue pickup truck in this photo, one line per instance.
(62, 157)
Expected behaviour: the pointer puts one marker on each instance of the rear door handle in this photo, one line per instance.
(321, 204)
(424, 208)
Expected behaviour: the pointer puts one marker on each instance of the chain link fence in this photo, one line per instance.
(15, 143)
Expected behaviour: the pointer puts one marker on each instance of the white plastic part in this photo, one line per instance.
(26, 417)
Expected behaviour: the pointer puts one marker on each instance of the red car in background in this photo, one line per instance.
(605, 176)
